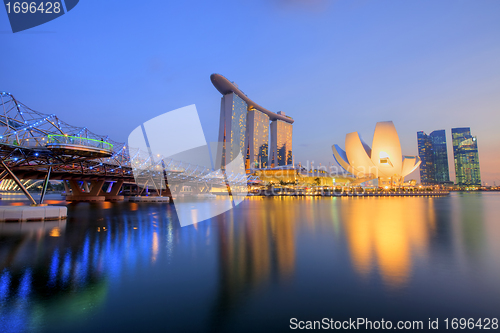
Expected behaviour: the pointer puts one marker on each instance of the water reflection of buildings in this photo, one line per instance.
(75, 264)
(251, 250)
(47, 273)
(386, 234)
(468, 224)
(254, 250)
(391, 235)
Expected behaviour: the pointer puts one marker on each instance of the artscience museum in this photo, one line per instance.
(383, 161)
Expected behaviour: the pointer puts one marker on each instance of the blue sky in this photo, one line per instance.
(334, 66)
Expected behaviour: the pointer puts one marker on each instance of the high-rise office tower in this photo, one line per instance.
(427, 157)
(466, 157)
(441, 168)
(432, 151)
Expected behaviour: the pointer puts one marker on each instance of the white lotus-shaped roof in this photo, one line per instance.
(383, 160)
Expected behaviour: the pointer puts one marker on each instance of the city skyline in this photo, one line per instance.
(249, 166)
(339, 61)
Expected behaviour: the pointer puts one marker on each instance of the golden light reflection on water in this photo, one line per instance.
(155, 247)
(56, 232)
(384, 236)
(107, 205)
(282, 245)
(386, 233)
(54, 202)
(253, 249)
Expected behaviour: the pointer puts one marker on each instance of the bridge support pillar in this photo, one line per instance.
(45, 184)
(113, 191)
(96, 187)
(66, 187)
(88, 194)
(18, 182)
(35, 212)
(201, 188)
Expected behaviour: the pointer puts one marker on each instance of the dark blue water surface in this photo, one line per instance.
(130, 267)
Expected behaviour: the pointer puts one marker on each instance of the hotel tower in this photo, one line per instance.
(245, 127)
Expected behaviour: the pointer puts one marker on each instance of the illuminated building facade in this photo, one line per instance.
(244, 127)
(434, 156)
(441, 169)
(466, 157)
(384, 160)
(232, 127)
(427, 157)
(258, 138)
(281, 143)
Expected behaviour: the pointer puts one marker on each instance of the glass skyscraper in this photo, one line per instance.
(441, 168)
(434, 155)
(466, 157)
(426, 155)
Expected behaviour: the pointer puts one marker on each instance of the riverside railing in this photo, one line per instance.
(60, 139)
(55, 139)
(27, 143)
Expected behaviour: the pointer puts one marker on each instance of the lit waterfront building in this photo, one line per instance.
(244, 127)
(466, 157)
(257, 139)
(441, 169)
(232, 127)
(281, 139)
(426, 155)
(290, 175)
(434, 156)
(383, 161)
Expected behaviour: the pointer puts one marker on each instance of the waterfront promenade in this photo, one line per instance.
(334, 193)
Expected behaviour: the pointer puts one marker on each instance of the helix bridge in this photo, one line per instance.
(36, 145)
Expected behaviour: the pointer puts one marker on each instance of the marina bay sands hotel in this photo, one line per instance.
(244, 127)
